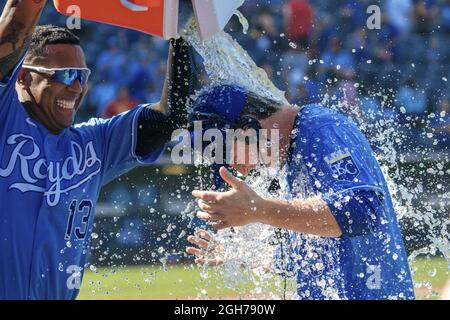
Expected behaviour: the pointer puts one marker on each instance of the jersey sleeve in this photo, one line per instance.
(343, 170)
(118, 138)
(8, 90)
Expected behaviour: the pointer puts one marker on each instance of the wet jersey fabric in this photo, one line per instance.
(49, 185)
(330, 157)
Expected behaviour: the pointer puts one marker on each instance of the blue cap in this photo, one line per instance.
(225, 101)
(219, 106)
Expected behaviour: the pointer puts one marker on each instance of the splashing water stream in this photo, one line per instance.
(248, 250)
(227, 62)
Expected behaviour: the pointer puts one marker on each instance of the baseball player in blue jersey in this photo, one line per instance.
(51, 171)
(343, 238)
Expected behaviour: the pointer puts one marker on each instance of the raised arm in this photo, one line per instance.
(156, 124)
(241, 205)
(17, 23)
(180, 81)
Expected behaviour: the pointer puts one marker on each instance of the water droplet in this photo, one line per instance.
(432, 272)
(243, 21)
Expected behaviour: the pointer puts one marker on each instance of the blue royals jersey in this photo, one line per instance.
(330, 157)
(49, 185)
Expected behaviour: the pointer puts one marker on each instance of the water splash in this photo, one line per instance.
(247, 257)
(243, 21)
(410, 176)
(245, 253)
(222, 50)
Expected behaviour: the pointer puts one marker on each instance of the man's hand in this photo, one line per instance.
(241, 206)
(206, 250)
(236, 207)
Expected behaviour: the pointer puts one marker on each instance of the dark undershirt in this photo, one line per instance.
(155, 128)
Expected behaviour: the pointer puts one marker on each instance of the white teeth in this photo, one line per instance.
(66, 104)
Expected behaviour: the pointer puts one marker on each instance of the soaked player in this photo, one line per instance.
(51, 171)
(343, 240)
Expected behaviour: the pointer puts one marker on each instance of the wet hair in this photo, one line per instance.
(260, 107)
(46, 35)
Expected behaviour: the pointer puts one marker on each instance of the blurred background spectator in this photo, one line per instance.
(123, 102)
(411, 98)
(400, 14)
(298, 21)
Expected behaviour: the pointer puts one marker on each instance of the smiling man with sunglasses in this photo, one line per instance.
(51, 171)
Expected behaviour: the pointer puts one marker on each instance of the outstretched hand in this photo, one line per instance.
(206, 250)
(237, 207)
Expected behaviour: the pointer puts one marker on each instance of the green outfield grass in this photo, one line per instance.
(149, 282)
(430, 272)
(188, 282)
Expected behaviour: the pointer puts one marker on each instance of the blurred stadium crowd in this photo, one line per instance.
(314, 50)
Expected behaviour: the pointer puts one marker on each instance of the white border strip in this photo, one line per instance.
(170, 22)
(206, 23)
